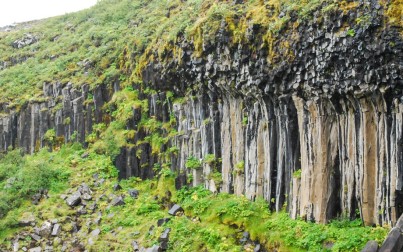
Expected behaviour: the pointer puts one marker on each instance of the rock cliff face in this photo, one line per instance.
(334, 111)
(314, 127)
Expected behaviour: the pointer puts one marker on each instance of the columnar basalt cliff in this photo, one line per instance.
(333, 112)
(312, 122)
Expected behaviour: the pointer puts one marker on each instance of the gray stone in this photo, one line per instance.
(257, 248)
(74, 199)
(133, 193)
(135, 246)
(96, 232)
(46, 229)
(118, 201)
(48, 248)
(16, 246)
(175, 209)
(165, 235)
(399, 223)
(36, 249)
(84, 189)
(97, 220)
(81, 210)
(393, 242)
(117, 187)
(164, 245)
(371, 246)
(154, 248)
(245, 237)
(56, 230)
(162, 221)
(86, 196)
(28, 219)
(92, 207)
(151, 230)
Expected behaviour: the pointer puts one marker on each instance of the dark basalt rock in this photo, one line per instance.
(133, 193)
(117, 187)
(162, 221)
(164, 237)
(175, 209)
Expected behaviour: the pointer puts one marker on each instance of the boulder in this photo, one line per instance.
(394, 241)
(117, 201)
(74, 199)
(133, 193)
(371, 246)
(46, 229)
(28, 219)
(84, 189)
(175, 209)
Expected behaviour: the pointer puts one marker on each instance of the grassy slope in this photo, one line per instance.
(223, 217)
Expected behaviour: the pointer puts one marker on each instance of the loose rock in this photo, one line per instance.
(74, 199)
(133, 193)
(175, 209)
(56, 230)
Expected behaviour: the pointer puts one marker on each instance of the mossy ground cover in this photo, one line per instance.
(212, 222)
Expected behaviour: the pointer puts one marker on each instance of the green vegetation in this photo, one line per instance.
(193, 163)
(297, 174)
(114, 42)
(216, 221)
(239, 168)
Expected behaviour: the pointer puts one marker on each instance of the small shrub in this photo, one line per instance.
(193, 163)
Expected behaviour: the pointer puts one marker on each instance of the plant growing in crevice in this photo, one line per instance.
(239, 168)
(297, 174)
(193, 163)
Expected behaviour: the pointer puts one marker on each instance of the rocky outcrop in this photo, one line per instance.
(312, 123)
(64, 108)
(319, 134)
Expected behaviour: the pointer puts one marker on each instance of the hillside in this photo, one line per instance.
(276, 125)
